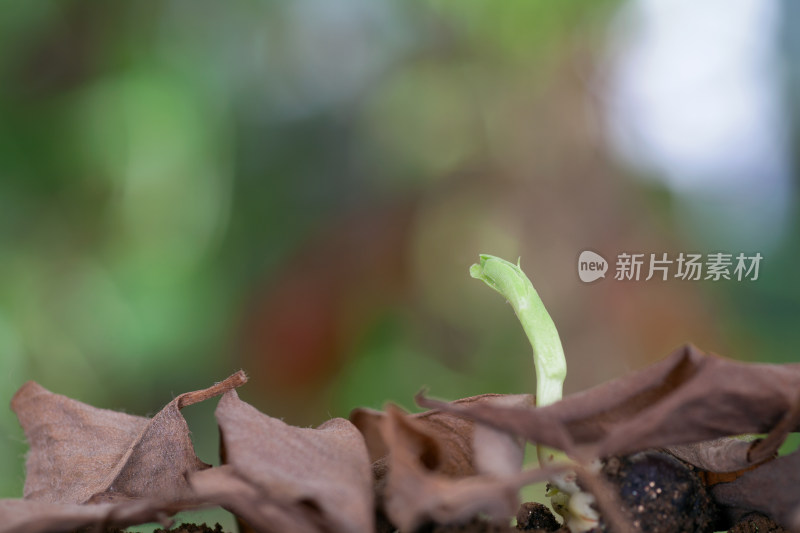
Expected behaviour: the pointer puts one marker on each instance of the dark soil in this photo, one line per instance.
(183, 528)
(475, 526)
(661, 494)
(536, 518)
(533, 516)
(192, 528)
(756, 523)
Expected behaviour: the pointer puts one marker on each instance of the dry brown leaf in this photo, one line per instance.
(689, 403)
(448, 438)
(448, 445)
(496, 452)
(301, 479)
(82, 454)
(95, 467)
(417, 494)
(688, 397)
(773, 489)
(28, 516)
(726, 454)
(225, 487)
(428, 474)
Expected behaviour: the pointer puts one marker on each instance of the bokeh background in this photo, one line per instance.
(298, 189)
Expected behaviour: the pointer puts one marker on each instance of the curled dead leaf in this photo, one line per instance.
(447, 440)
(773, 489)
(284, 478)
(688, 397)
(90, 466)
(689, 403)
(435, 467)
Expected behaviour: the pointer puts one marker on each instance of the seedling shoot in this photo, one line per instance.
(548, 356)
(551, 369)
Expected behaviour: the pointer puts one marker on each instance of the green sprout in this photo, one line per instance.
(551, 369)
(548, 356)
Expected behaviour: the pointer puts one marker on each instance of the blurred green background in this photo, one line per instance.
(298, 189)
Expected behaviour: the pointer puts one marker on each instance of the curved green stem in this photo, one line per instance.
(548, 356)
(551, 368)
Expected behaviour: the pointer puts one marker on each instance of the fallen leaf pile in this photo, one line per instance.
(688, 404)
(386, 470)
